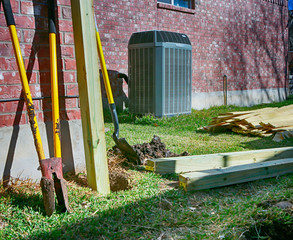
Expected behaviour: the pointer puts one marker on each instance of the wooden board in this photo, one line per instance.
(90, 95)
(232, 175)
(218, 160)
(262, 122)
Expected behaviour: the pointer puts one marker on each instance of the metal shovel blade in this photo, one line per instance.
(53, 180)
(126, 149)
(47, 186)
(61, 192)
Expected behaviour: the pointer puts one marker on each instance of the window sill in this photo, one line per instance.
(175, 8)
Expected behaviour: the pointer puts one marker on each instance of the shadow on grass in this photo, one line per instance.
(265, 143)
(22, 199)
(172, 214)
(137, 220)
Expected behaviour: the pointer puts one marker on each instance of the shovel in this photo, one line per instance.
(49, 166)
(121, 143)
(52, 168)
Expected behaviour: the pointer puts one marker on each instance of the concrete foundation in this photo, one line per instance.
(239, 98)
(18, 157)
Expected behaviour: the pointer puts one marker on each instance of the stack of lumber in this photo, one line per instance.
(261, 122)
(222, 169)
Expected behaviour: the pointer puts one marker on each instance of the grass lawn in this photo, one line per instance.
(155, 208)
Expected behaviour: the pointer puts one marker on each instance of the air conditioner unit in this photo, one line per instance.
(159, 69)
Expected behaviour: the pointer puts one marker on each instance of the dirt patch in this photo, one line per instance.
(154, 149)
(119, 177)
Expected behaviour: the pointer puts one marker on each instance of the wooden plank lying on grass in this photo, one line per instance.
(218, 160)
(232, 175)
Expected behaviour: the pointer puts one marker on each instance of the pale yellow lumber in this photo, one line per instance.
(90, 95)
(218, 160)
(232, 175)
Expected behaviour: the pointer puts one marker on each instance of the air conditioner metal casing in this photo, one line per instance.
(160, 78)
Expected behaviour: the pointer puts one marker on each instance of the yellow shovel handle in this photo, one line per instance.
(104, 70)
(54, 78)
(27, 93)
(55, 96)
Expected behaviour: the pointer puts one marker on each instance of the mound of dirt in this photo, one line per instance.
(154, 149)
(120, 179)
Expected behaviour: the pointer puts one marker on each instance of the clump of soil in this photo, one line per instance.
(154, 149)
(120, 179)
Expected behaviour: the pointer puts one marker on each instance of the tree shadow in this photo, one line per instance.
(257, 53)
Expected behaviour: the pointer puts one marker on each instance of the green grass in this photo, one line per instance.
(154, 208)
(180, 133)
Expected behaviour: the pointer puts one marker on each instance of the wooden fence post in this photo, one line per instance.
(90, 95)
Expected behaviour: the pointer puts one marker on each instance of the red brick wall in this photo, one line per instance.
(31, 24)
(245, 40)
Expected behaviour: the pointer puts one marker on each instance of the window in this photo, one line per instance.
(179, 3)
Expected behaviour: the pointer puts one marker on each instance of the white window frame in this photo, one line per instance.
(172, 3)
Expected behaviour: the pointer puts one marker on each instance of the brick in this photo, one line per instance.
(71, 114)
(66, 12)
(44, 51)
(24, 22)
(14, 6)
(8, 63)
(47, 104)
(6, 50)
(27, 8)
(45, 89)
(34, 8)
(43, 64)
(65, 25)
(7, 92)
(45, 77)
(68, 38)
(40, 116)
(35, 90)
(47, 116)
(72, 89)
(11, 107)
(64, 2)
(32, 37)
(70, 64)
(17, 106)
(12, 78)
(69, 77)
(4, 34)
(68, 103)
(67, 51)
(7, 120)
